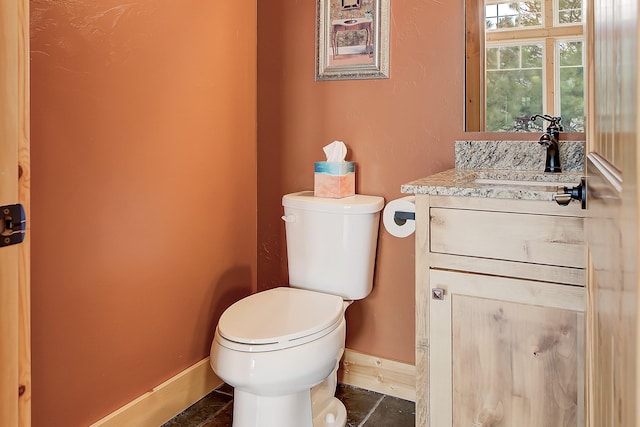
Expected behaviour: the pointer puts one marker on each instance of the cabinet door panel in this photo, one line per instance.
(505, 352)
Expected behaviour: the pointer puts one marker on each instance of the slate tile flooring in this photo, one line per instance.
(364, 409)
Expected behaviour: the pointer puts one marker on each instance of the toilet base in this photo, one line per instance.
(317, 407)
(291, 410)
(333, 415)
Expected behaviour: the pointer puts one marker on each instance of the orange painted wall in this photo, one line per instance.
(143, 193)
(397, 130)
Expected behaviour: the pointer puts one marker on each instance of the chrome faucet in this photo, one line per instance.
(550, 140)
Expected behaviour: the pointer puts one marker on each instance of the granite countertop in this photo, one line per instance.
(513, 184)
(503, 170)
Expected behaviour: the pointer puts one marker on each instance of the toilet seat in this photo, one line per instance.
(279, 318)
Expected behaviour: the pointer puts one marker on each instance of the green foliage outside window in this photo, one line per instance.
(572, 85)
(514, 87)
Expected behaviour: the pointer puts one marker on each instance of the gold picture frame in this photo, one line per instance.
(352, 43)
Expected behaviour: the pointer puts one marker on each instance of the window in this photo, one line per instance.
(571, 83)
(533, 50)
(514, 85)
(569, 12)
(507, 15)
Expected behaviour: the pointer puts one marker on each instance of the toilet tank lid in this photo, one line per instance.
(357, 204)
(279, 314)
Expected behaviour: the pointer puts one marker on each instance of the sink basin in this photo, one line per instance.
(518, 183)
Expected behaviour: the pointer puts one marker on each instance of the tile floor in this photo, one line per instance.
(364, 409)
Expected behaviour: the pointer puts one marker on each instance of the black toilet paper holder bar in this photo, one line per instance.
(401, 217)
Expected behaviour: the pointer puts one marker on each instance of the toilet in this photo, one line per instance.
(280, 348)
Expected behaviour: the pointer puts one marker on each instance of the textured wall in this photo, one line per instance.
(143, 193)
(396, 130)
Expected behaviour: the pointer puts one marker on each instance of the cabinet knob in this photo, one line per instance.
(437, 293)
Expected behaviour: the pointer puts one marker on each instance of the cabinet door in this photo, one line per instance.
(505, 352)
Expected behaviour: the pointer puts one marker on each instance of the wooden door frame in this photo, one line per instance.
(15, 312)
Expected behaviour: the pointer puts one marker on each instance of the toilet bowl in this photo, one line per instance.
(274, 363)
(280, 348)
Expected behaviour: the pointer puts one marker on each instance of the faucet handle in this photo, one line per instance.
(542, 116)
(555, 122)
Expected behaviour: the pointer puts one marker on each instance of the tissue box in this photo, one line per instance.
(334, 179)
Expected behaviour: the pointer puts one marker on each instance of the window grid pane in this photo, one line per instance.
(509, 58)
(569, 12)
(570, 53)
(513, 15)
(492, 58)
(532, 56)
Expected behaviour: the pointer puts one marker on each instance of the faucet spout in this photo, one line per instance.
(550, 140)
(545, 139)
(552, 162)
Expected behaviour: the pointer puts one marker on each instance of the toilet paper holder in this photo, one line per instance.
(401, 217)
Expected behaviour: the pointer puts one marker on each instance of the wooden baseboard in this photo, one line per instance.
(377, 374)
(165, 401)
(178, 393)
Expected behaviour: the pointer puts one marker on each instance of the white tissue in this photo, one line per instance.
(336, 151)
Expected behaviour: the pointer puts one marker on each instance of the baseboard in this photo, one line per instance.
(165, 401)
(377, 374)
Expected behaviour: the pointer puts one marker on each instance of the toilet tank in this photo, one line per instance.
(331, 243)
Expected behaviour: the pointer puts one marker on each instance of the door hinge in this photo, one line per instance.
(13, 225)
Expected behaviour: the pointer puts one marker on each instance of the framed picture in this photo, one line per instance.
(352, 39)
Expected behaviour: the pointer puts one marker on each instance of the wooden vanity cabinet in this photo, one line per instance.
(499, 312)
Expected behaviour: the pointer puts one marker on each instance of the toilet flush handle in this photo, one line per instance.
(289, 218)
